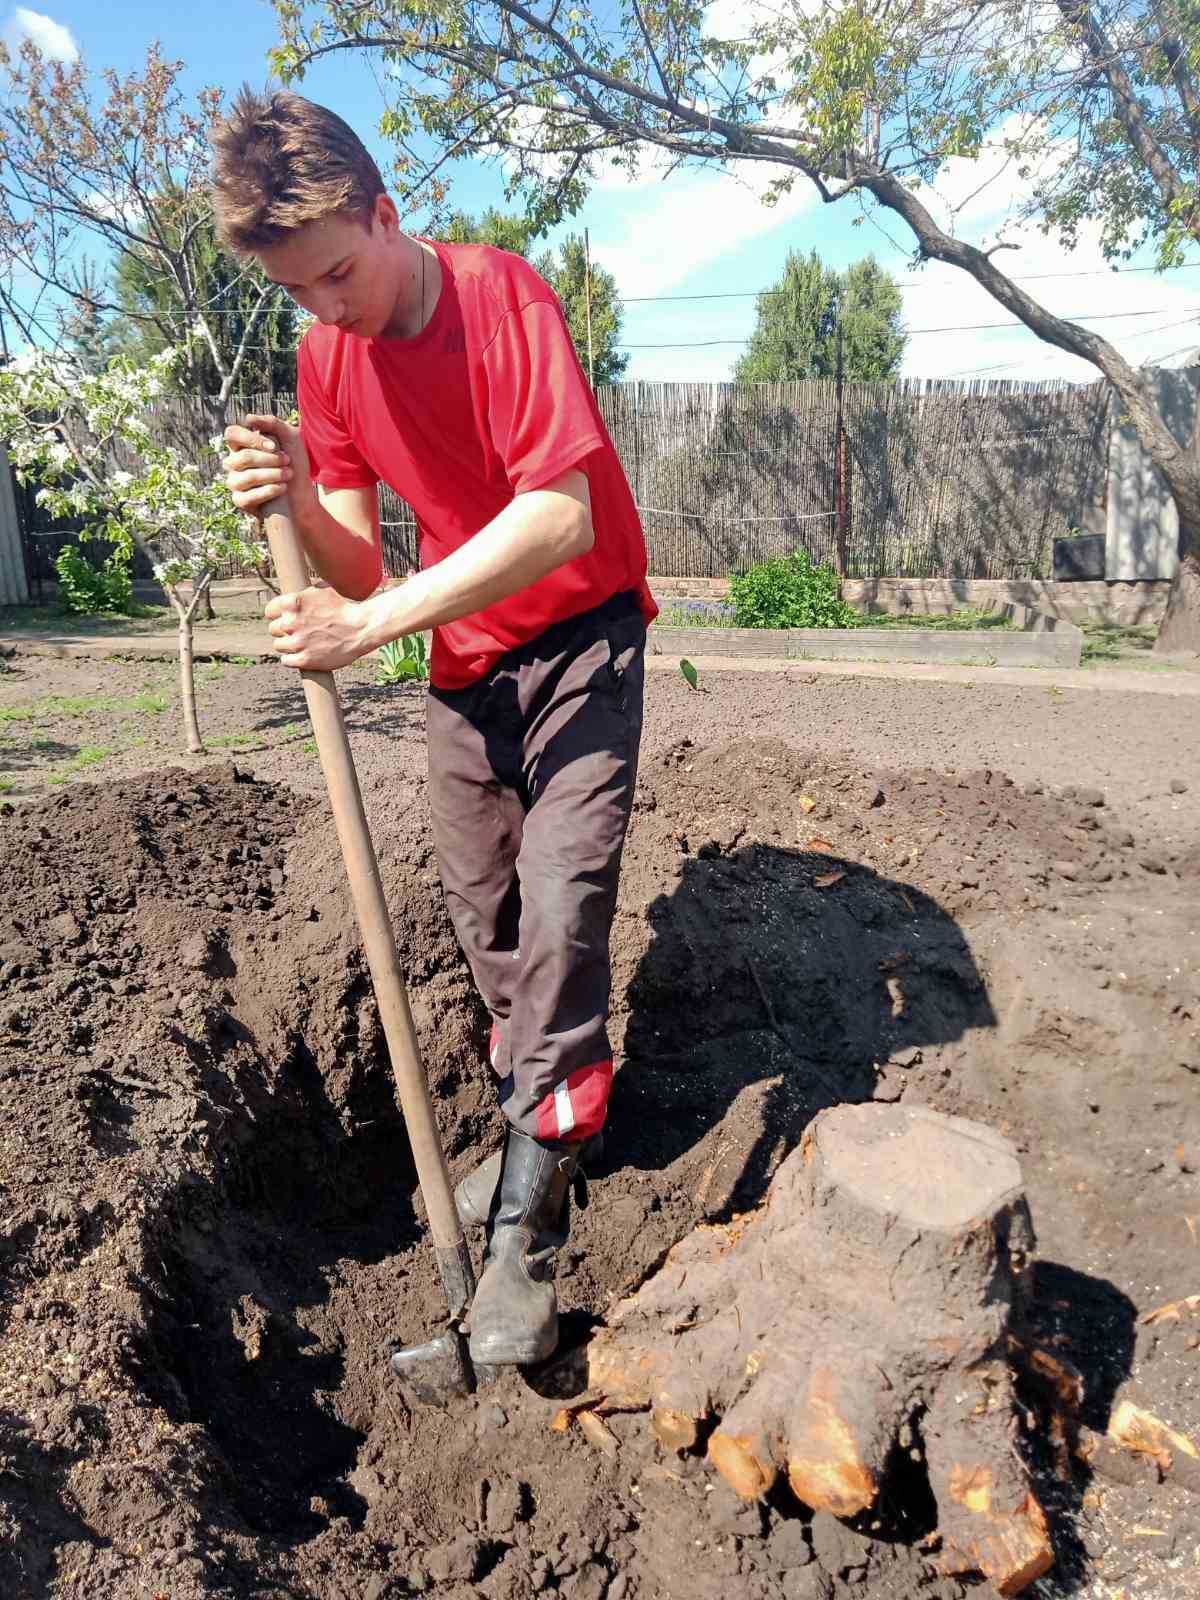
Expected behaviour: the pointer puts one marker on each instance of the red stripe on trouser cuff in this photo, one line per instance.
(493, 1044)
(577, 1107)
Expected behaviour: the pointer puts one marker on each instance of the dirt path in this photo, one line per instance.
(210, 1228)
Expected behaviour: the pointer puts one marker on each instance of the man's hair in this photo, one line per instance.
(280, 162)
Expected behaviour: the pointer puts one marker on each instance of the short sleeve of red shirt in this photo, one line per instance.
(332, 454)
(539, 405)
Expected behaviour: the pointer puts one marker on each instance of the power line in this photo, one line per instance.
(963, 327)
(901, 283)
(754, 294)
(1142, 333)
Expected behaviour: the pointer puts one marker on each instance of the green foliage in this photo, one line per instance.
(965, 619)
(64, 428)
(790, 592)
(404, 661)
(91, 755)
(92, 591)
(67, 707)
(499, 228)
(1113, 641)
(167, 506)
(108, 177)
(1087, 113)
(799, 319)
(567, 275)
(566, 272)
(690, 676)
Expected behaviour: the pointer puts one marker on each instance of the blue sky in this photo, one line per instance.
(703, 233)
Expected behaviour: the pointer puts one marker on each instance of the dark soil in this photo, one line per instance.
(211, 1232)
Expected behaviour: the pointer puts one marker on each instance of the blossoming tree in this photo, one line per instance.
(65, 429)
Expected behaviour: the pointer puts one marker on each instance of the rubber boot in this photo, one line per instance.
(514, 1316)
(475, 1195)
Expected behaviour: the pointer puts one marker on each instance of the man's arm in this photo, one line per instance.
(536, 532)
(352, 565)
(267, 458)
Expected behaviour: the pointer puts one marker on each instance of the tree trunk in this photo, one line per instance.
(867, 1302)
(187, 673)
(1180, 630)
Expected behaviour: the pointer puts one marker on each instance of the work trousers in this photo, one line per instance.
(531, 779)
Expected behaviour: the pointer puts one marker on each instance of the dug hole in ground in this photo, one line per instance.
(211, 1229)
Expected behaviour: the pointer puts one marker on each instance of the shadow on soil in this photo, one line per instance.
(38, 1510)
(369, 707)
(779, 982)
(240, 1336)
(1093, 1325)
(796, 970)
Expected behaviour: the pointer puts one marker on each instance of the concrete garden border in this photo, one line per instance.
(1042, 642)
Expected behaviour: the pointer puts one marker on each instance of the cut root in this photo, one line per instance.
(872, 1291)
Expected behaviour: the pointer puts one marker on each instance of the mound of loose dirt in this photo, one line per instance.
(211, 1230)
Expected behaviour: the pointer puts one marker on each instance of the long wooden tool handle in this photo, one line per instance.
(366, 891)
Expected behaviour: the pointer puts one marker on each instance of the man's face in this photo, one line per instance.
(342, 270)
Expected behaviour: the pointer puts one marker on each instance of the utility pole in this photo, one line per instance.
(587, 296)
(841, 466)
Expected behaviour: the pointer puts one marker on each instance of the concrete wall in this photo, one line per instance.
(1142, 539)
(1124, 603)
(14, 590)
(1056, 645)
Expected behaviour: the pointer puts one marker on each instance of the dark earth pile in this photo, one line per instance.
(211, 1233)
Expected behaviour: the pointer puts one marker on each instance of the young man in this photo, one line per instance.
(447, 371)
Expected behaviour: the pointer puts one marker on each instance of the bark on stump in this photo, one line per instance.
(871, 1293)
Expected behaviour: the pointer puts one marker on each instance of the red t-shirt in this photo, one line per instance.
(487, 401)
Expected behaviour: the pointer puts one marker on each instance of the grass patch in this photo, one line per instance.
(7, 785)
(235, 741)
(309, 747)
(39, 619)
(66, 707)
(1111, 641)
(292, 730)
(966, 619)
(91, 755)
(149, 701)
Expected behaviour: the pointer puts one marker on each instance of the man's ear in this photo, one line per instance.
(385, 213)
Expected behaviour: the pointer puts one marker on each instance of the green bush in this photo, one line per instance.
(90, 590)
(790, 592)
(404, 661)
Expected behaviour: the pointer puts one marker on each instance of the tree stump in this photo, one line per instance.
(867, 1300)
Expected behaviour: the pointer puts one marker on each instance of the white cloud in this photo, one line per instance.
(1145, 315)
(697, 218)
(55, 41)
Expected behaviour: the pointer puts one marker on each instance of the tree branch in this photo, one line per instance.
(1129, 113)
(938, 245)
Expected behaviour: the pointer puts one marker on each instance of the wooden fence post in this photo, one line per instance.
(841, 466)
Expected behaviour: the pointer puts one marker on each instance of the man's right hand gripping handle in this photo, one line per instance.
(266, 458)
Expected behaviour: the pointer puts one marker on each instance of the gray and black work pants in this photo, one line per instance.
(531, 779)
